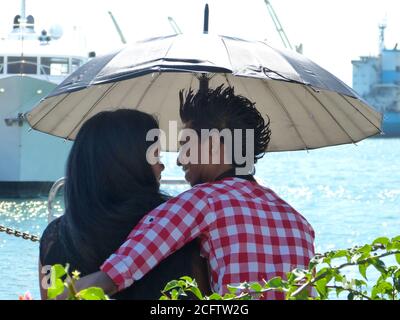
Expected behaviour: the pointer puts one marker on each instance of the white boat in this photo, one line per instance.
(31, 64)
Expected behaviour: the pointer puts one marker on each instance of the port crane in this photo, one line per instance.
(174, 26)
(121, 35)
(280, 30)
(271, 11)
(171, 21)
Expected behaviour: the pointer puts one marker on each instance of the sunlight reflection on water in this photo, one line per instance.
(351, 195)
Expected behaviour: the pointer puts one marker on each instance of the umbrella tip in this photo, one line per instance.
(206, 15)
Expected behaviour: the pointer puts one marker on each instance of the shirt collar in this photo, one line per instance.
(231, 173)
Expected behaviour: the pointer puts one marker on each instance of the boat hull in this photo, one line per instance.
(27, 156)
(391, 124)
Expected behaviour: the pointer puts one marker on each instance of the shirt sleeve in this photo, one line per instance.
(160, 233)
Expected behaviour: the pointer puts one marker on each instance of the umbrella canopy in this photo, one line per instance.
(308, 107)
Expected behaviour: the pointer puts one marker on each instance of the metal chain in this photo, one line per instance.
(19, 234)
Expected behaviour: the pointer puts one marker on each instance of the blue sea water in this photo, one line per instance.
(350, 194)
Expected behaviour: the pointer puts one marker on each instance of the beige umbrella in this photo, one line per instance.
(308, 107)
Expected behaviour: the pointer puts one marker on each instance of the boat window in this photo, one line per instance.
(1, 64)
(76, 63)
(24, 65)
(54, 66)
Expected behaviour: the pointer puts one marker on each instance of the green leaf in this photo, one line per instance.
(385, 287)
(396, 283)
(196, 292)
(171, 285)
(379, 265)
(360, 283)
(256, 287)
(174, 294)
(338, 277)
(323, 271)
(182, 284)
(326, 273)
(58, 271)
(57, 284)
(229, 296)
(303, 295)
(396, 239)
(365, 252)
(398, 258)
(56, 289)
(374, 292)
(92, 294)
(215, 296)
(338, 291)
(313, 264)
(327, 260)
(355, 258)
(299, 274)
(275, 282)
(366, 249)
(350, 296)
(232, 289)
(363, 270)
(381, 240)
(187, 279)
(320, 285)
(340, 254)
(290, 276)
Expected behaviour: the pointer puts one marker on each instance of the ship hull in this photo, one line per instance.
(29, 159)
(391, 124)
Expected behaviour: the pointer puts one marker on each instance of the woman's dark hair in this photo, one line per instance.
(109, 185)
(221, 109)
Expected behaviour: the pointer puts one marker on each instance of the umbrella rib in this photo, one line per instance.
(169, 48)
(191, 80)
(227, 80)
(51, 109)
(147, 89)
(308, 113)
(122, 97)
(158, 75)
(227, 51)
(349, 102)
(330, 114)
(92, 107)
(287, 113)
(344, 111)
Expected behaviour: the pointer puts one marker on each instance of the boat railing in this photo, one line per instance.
(52, 195)
(60, 183)
(55, 66)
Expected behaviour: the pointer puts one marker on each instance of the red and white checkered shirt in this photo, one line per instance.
(247, 234)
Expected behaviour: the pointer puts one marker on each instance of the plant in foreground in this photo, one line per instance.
(325, 276)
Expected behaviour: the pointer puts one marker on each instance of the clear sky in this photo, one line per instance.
(332, 32)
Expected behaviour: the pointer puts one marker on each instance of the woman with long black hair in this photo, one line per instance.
(109, 187)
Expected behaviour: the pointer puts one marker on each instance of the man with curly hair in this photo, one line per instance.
(247, 232)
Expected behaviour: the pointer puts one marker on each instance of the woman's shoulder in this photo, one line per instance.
(49, 238)
(51, 230)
